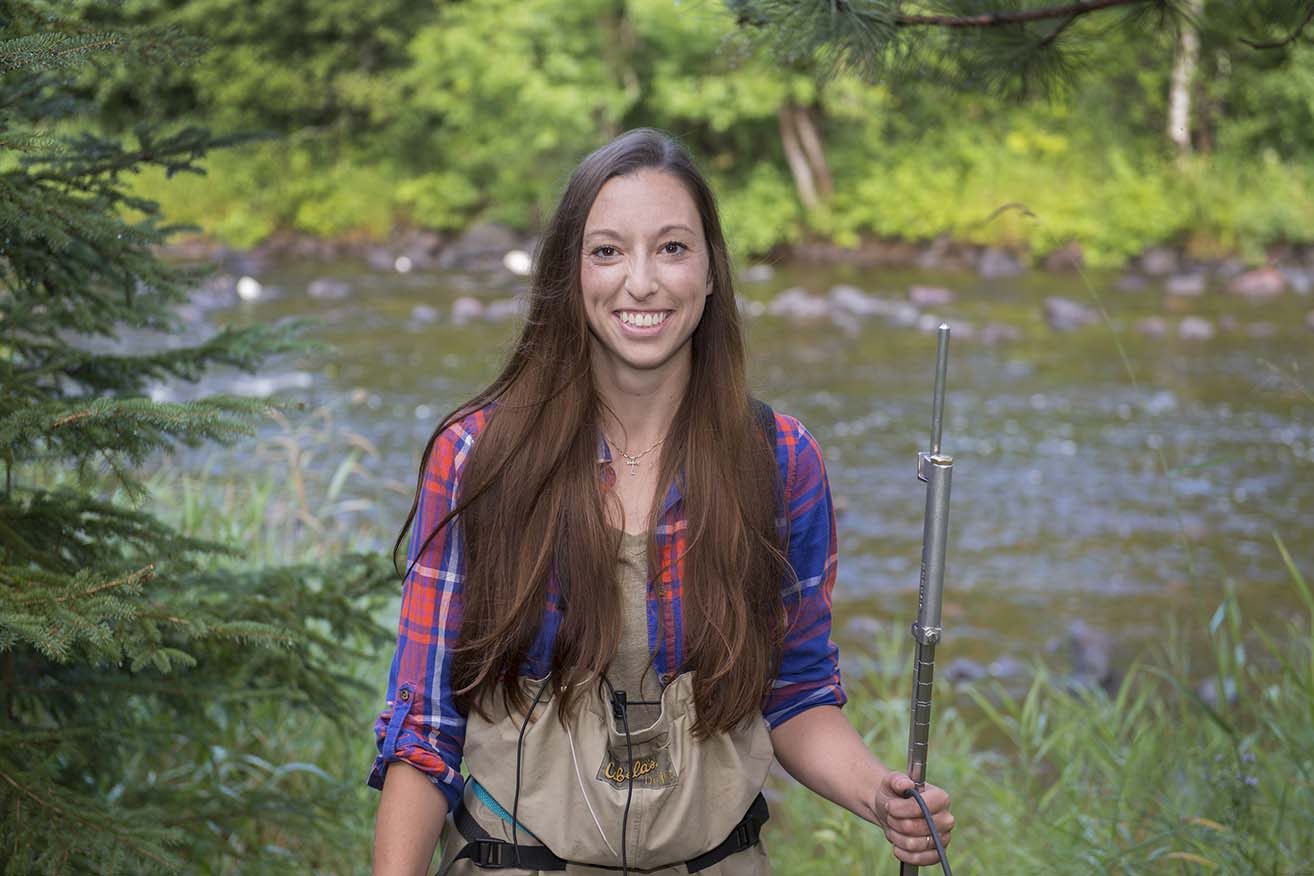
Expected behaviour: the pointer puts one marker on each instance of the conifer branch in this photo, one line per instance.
(1289, 38)
(68, 815)
(141, 576)
(1000, 19)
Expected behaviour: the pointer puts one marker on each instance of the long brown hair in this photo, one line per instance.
(532, 505)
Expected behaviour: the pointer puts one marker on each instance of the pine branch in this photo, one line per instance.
(1069, 11)
(47, 51)
(69, 813)
(1289, 38)
(128, 428)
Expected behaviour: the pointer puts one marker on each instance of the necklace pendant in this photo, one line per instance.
(633, 463)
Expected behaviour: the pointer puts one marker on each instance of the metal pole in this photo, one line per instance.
(936, 470)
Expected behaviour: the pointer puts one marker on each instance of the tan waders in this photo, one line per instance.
(690, 797)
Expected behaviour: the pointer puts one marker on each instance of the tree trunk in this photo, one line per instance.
(1184, 64)
(804, 180)
(810, 138)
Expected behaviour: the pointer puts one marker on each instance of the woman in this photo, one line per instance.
(619, 651)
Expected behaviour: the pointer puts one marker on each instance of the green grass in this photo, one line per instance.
(1152, 779)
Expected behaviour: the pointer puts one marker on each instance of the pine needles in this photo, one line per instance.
(135, 659)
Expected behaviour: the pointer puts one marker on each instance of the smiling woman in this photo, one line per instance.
(617, 659)
(644, 278)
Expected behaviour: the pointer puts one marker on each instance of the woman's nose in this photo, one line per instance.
(641, 280)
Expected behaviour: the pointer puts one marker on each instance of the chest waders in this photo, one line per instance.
(598, 796)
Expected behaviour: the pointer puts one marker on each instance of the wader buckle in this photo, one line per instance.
(747, 834)
(488, 852)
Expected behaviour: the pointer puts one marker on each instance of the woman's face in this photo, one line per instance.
(644, 274)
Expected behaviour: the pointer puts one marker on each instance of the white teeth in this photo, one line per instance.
(642, 320)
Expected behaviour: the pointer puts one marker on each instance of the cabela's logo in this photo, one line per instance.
(649, 771)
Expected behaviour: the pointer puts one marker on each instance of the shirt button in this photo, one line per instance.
(667, 678)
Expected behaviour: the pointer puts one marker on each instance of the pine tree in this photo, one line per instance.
(1012, 47)
(136, 663)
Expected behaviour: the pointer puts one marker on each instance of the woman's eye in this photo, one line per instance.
(673, 247)
(605, 251)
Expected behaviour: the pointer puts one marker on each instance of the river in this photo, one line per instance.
(1118, 496)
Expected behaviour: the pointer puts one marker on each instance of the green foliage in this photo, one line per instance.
(136, 658)
(1155, 778)
(451, 114)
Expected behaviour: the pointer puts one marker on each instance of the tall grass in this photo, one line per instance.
(303, 494)
(1157, 777)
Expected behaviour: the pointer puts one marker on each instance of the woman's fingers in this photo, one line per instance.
(944, 822)
(917, 850)
(915, 842)
(906, 828)
(920, 859)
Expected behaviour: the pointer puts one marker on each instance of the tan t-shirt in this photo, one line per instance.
(631, 669)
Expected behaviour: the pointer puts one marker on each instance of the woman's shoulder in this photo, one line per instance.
(452, 443)
(798, 454)
(792, 437)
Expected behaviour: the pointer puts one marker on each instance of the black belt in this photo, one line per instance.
(493, 854)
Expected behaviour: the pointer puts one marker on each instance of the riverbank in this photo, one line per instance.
(491, 248)
(495, 261)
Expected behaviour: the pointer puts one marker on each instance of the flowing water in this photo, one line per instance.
(1062, 509)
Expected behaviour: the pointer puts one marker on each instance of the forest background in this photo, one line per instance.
(444, 115)
(192, 645)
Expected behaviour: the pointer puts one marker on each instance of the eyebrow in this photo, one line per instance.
(665, 229)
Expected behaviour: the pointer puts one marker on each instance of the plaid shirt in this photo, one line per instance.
(421, 724)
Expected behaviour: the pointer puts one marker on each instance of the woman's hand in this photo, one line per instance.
(902, 819)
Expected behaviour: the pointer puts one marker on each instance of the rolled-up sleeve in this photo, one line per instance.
(420, 724)
(809, 666)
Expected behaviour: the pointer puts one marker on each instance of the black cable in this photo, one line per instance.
(620, 711)
(930, 823)
(520, 744)
(629, 792)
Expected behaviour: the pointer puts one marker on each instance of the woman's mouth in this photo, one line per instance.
(642, 320)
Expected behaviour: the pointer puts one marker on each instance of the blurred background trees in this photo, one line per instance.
(1150, 122)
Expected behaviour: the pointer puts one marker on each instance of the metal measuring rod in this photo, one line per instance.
(935, 469)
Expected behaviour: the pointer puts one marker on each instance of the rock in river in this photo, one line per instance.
(466, 308)
(1260, 283)
(249, 288)
(998, 263)
(930, 296)
(1158, 261)
(328, 289)
(424, 313)
(1195, 328)
(998, 332)
(1185, 284)
(798, 303)
(1152, 326)
(1065, 315)
(851, 299)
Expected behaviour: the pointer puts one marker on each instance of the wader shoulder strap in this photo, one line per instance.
(766, 419)
(495, 854)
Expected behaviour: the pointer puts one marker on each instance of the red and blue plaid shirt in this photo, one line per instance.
(421, 724)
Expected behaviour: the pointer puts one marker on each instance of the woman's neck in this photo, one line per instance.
(640, 405)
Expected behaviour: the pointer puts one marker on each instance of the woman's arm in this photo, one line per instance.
(421, 734)
(820, 748)
(410, 818)
(813, 739)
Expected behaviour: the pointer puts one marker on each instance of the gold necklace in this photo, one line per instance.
(633, 461)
